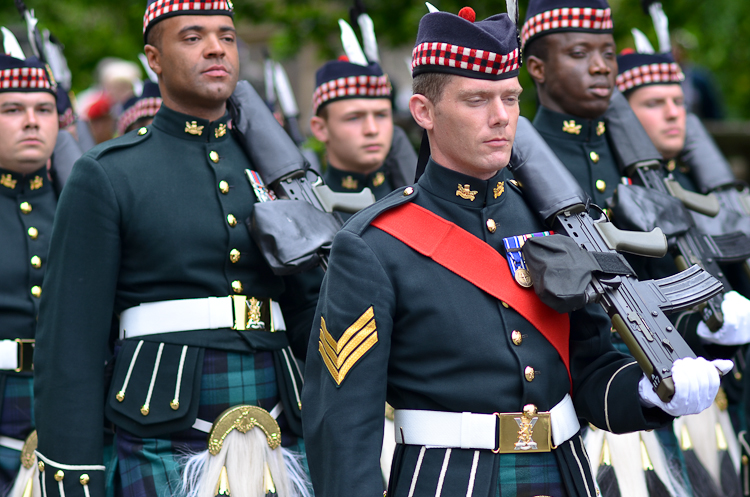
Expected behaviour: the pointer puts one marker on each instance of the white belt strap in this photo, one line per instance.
(11, 443)
(467, 430)
(8, 354)
(184, 315)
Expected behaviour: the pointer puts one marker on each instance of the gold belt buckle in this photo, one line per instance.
(251, 313)
(25, 355)
(527, 431)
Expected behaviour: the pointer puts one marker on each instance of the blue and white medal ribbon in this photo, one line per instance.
(513, 246)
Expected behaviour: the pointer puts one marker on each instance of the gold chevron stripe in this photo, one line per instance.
(340, 356)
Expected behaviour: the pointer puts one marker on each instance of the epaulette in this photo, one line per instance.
(124, 141)
(361, 220)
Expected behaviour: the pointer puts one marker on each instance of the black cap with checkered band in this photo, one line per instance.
(556, 16)
(157, 10)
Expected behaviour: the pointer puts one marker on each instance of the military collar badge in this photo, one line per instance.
(516, 261)
(600, 128)
(571, 127)
(36, 183)
(7, 181)
(379, 179)
(349, 183)
(465, 192)
(220, 131)
(192, 128)
(499, 189)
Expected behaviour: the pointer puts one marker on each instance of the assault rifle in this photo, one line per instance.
(639, 160)
(294, 232)
(635, 307)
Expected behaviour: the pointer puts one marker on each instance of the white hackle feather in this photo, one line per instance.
(10, 44)
(245, 456)
(431, 7)
(351, 45)
(512, 7)
(56, 61)
(661, 26)
(150, 74)
(31, 22)
(642, 45)
(367, 28)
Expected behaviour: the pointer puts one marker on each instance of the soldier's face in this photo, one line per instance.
(29, 124)
(472, 127)
(579, 73)
(197, 59)
(357, 133)
(661, 110)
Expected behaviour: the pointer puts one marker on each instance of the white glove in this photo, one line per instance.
(736, 329)
(696, 383)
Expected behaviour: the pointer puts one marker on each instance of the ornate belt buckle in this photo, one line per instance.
(25, 355)
(252, 314)
(527, 431)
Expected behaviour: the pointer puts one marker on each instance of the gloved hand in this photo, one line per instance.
(696, 383)
(736, 329)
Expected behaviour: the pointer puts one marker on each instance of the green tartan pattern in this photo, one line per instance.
(528, 475)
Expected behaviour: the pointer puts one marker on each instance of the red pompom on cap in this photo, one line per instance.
(343, 58)
(468, 14)
(627, 51)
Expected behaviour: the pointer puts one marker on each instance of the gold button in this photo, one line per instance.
(671, 165)
(175, 404)
(237, 286)
(84, 478)
(36, 261)
(745, 461)
(601, 185)
(33, 233)
(214, 156)
(40, 466)
(408, 191)
(25, 207)
(223, 187)
(36, 291)
(530, 410)
(529, 373)
(491, 225)
(234, 255)
(516, 337)
(594, 157)
(59, 475)
(232, 220)
(515, 183)
(120, 396)
(505, 304)
(145, 409)
(738, 376)
(142, 131)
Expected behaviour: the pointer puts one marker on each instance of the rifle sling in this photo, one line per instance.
(469, 257)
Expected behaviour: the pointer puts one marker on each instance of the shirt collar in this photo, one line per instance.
(569, 127)
(355, 182)
(190, 127)
(12, 183)
(463, 189)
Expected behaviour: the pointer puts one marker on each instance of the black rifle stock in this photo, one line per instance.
(636, 308)
(638, 159)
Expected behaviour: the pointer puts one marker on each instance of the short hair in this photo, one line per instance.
(538, 47)
(322, 112)
(154, 35)
(431, 85)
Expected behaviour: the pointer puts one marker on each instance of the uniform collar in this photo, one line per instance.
(462, 189)
(192, 128)
(569, 127)
(355, 182)
(12, 183)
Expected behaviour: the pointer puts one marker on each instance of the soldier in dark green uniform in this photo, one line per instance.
(28, 131)
(150, 256)
(471, 363)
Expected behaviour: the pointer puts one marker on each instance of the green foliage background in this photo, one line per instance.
(92, 29)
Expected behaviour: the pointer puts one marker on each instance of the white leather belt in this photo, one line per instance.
(16, 355)
(235, 311)
(500, 432)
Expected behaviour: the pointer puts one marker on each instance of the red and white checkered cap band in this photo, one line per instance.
(147, 107)
(162, 7)
(470, 59)
(649, 74)
(24, 78)
(567, 18)
(351, 87)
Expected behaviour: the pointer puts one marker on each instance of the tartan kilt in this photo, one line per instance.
(152, 466)
(16, 421)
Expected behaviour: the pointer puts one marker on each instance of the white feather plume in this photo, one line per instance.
(367, 27)
(661, 26)
(10, 44)
(512, 7)
(150, 74)
(642, 45)
(431, 7)
(351, 44)
(31, 22)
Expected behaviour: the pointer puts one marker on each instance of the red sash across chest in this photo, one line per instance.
(477, 262)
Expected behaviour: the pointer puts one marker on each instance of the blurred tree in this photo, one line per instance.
(92, 29)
